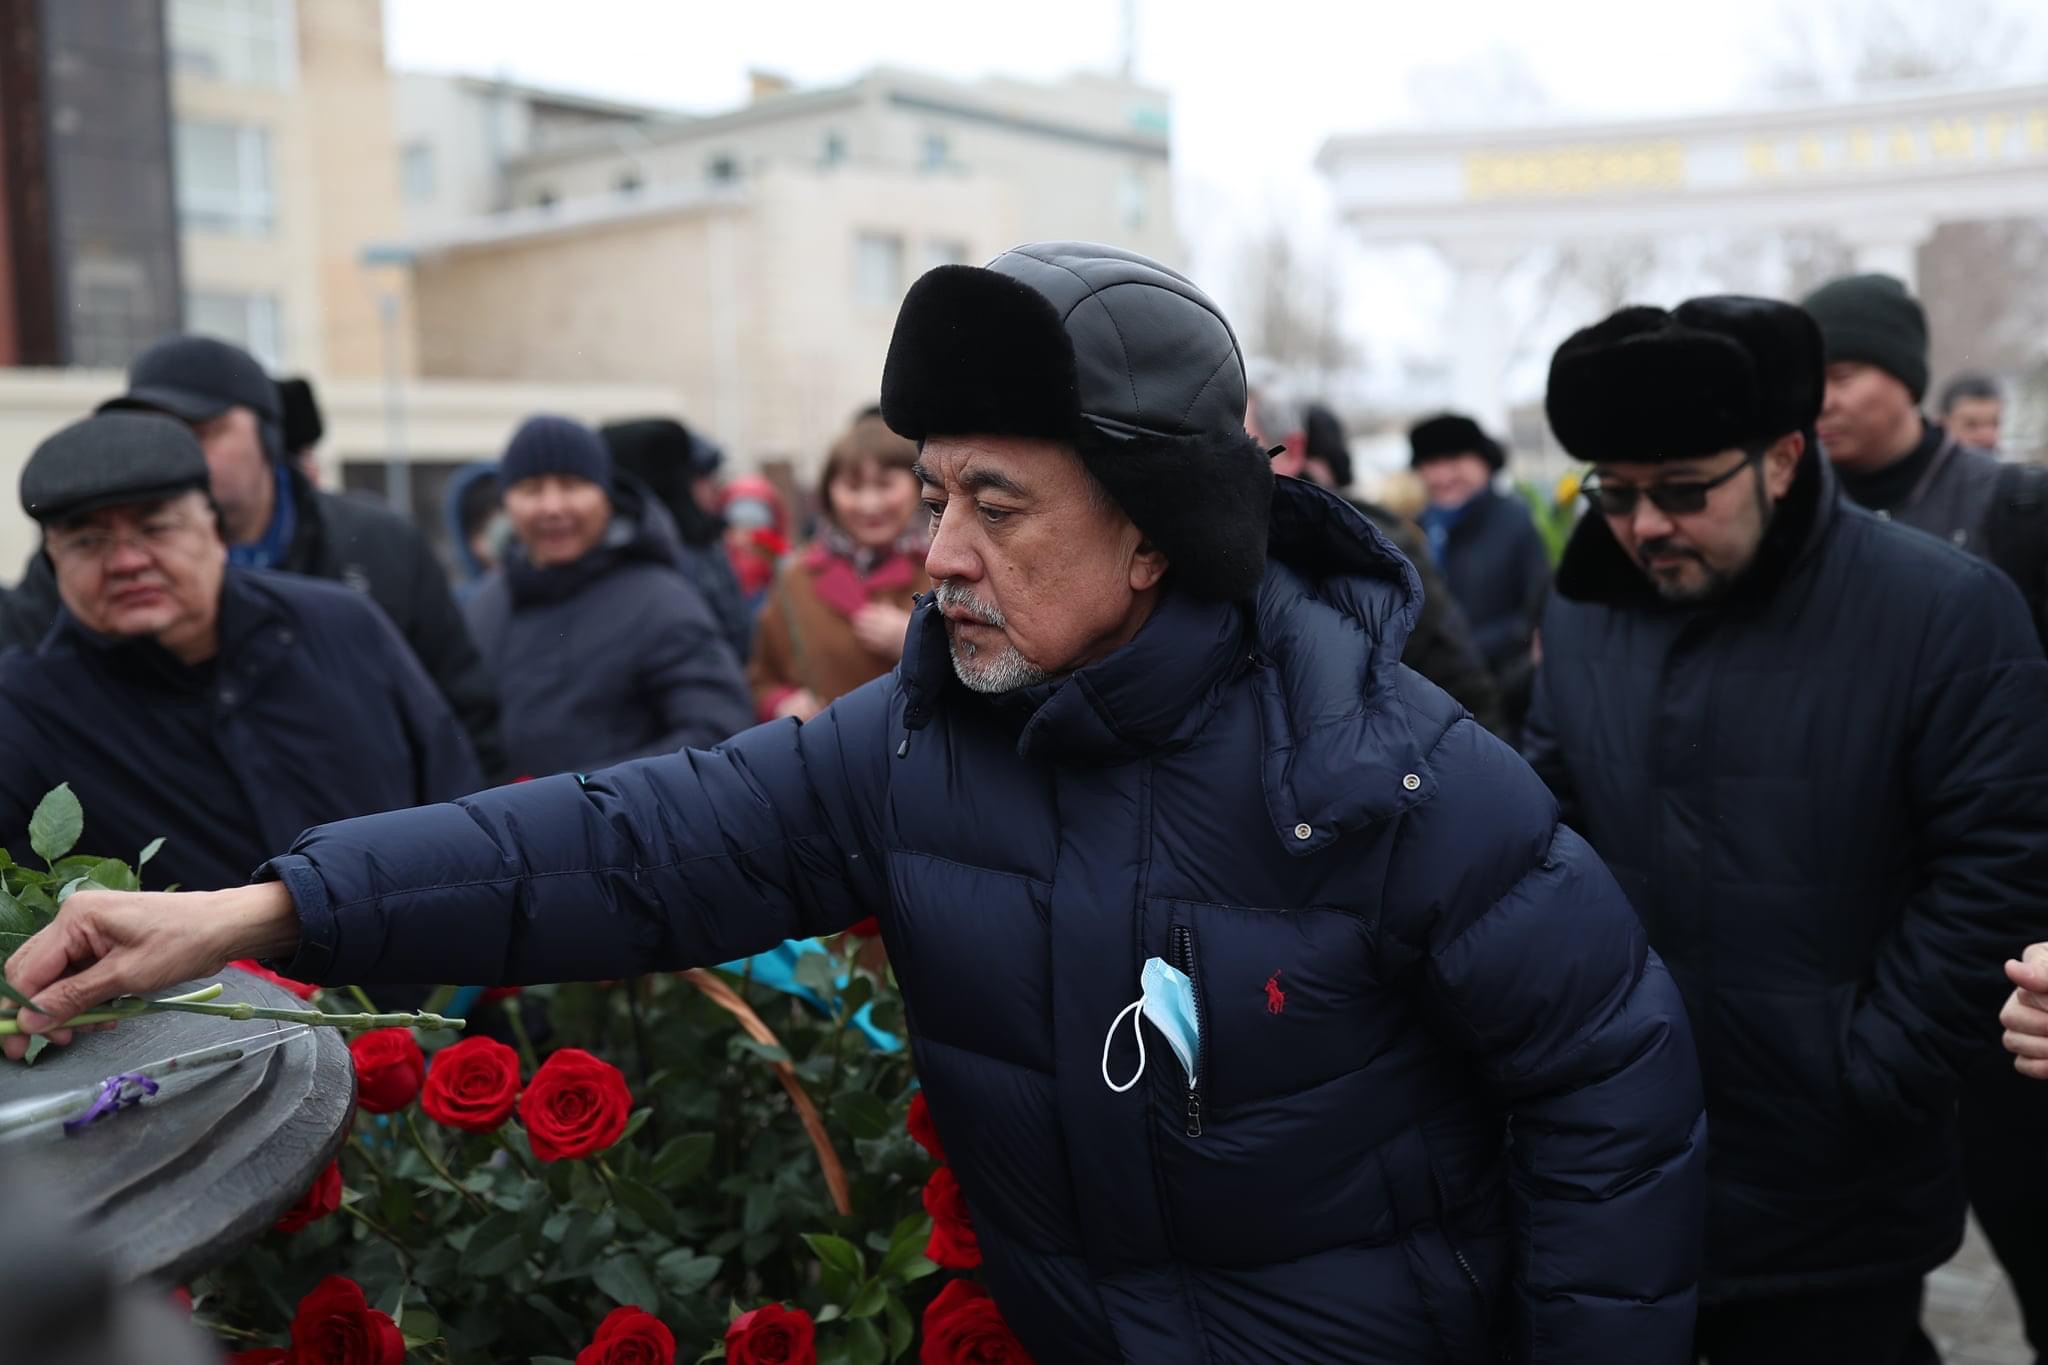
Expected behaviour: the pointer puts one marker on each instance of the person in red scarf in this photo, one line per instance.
(756, 535)
(837, 612)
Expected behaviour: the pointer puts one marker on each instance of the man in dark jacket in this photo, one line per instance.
(275, 519)
(1904, 467)
(1310, 445)
(605, 651)
(223, 709)
(1491, 553)
(680, 468)
(1814, 749)
(1915, 472)
(1132, 764)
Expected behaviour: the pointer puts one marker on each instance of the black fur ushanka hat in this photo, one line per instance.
(1713, 374)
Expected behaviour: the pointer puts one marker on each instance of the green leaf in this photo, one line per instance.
(682, 1160)
(634, 1124)
(907, 1249)
(625, 1280)
(586, 1237)
(902, 1331)
(759, 1212)
(54, 829)
(149, 850)
(869, 1301)
(16, 918)
(819, 972)
(494, 1247)
(563, 1360)
(35, 1049)
(864, 1115)
(918, 1269)
(646, 1204)
(9, 942)
(864, 1345)
(686, 1274)
(761, 1050)
(836, 1253)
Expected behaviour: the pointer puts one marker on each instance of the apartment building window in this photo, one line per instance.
(723, 168)
(224, 179)
(235, 42)
(417, 172)
(878, 269)
(628, 184)
(251, 321)
(934, 152)
(835, 148)
(940, 251)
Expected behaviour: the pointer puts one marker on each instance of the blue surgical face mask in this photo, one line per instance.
(1169, 1003)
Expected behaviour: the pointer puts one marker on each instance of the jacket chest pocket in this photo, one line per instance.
(1284, 1001)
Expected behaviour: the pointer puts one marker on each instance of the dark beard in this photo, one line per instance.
(1715, 583)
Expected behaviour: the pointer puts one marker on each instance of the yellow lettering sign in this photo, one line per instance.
(1556, 172)
(1953, 138)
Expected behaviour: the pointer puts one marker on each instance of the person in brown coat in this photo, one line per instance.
(838, 610)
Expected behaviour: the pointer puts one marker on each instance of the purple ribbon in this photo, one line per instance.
(115, 1095)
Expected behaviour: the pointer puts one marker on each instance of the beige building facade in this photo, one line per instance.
(754, 261)
(286, 168)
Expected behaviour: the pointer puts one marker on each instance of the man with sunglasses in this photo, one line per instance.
(222, 709)
(1813, 746)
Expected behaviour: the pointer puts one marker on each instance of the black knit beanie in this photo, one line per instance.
(1872, 319)
(555, 445)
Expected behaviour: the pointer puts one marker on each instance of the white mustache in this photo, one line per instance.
(949, 593)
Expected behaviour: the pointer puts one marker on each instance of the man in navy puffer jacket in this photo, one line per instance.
(1443, 1104)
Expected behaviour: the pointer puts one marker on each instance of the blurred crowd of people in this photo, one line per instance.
(207, 646)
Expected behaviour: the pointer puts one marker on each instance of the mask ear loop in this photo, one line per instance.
(1110, 1037)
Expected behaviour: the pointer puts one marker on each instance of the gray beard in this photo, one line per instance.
(1004, 672)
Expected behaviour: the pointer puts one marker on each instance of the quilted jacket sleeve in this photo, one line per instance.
(1977, 768)
(1527, 956)
(680, 861)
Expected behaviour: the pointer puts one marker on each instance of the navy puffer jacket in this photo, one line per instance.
(1448, 1102)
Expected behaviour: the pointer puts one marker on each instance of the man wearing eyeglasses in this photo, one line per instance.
(225, 709)
(1813, 746)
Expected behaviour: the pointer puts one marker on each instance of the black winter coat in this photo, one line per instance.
(313, 710)
(1827, 796)
(1395, 950)
(365, 545)
(1497, 569)
(613, 657)
(1440, 647)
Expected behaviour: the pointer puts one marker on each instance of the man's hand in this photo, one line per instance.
(2025, 1015)
(108, 943)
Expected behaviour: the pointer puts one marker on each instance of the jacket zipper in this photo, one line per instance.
(1183, 957)
(1443, 1204)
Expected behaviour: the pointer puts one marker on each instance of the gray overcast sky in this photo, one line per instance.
(1254, 82)
(1256, 85)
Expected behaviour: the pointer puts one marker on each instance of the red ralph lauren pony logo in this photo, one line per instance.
(1276, 999)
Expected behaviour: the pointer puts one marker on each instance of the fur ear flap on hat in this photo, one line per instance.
(1719, 373)
(1212, 529)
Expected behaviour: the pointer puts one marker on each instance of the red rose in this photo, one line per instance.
(494, 994)
(335, 1325)
(963, 1326)
(629, 1336)
(472, 1085)
(952, 1241)
(575, 1106)
(389, 1069)
(181, 1297)
(919, 1123)
(770, 1335)
(298, 988)
(263, 1355)
(316, 1203)
(867, 928)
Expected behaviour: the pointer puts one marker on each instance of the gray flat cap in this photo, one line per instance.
(111, 458)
